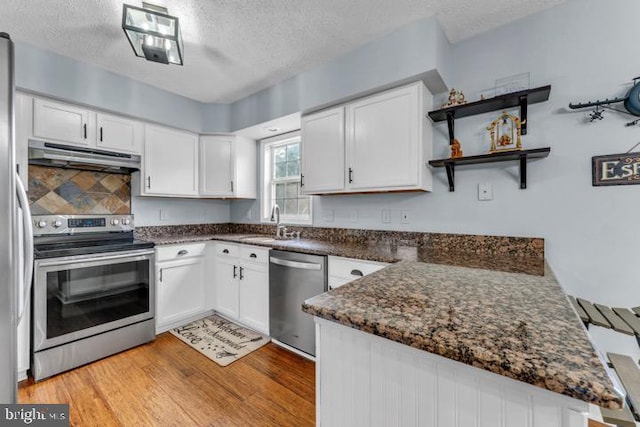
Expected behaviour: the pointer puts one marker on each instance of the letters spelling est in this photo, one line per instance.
(616, 169)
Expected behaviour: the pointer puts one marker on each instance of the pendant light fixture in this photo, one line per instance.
(153, 33)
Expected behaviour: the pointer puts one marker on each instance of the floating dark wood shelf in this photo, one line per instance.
(521, 98)
(522, 156)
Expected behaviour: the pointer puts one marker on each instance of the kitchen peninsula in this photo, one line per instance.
(425, 344)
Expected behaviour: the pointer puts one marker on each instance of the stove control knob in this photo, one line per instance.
(57, 223)
(126, 221)
(115, 222)
(41, 224)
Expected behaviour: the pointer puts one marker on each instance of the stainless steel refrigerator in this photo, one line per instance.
(16, 235)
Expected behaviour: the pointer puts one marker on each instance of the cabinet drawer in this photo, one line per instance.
(352, 269)
(226, 249)
(254, 254)
(173, 252)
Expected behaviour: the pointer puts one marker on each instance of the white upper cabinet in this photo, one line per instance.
(64, 123)
(323, 146)
(119, 134)
(385, 144)
(227, 166)
(170, 162)
(383, 149)
(74, 125)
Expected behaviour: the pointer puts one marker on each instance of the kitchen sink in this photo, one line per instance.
(264, 239)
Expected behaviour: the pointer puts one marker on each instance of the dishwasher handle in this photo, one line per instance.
(295, 264)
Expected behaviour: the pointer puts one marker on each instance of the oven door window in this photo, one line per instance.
(81, 298)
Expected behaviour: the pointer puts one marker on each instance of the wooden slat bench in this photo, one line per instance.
(629, 375)
(626, 321)
(623, 320)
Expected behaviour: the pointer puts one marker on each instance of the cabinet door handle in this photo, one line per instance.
(182, 252)
(232, 186)
(226, 251)
(161, 275)
(149, 181)
(241, 271)
(235, 271)
(100, 133)
(350, 175)
(301, 180)
(253, 256)
(85, 130)
(356, 273)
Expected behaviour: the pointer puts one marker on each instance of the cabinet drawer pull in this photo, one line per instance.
(100, 133)
(182, 252)
(85, 130)
(226, 251)
(253, 256)
(356, 273)
(350, 175)
(241, 271)
(235, 271)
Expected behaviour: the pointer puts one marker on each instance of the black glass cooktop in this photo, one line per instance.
(63, 246)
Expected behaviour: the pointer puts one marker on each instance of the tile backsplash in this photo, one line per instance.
(77, 192)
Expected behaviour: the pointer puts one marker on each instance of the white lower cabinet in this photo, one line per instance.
(344, 270)
(242, 284)
(180, 284)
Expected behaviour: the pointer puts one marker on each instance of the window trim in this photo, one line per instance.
(266, 203)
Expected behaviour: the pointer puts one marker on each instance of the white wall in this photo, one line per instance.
(173, 211)
(586, 50)
(50, 74)
(418, 50)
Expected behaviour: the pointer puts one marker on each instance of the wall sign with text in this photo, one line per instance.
(616, 169)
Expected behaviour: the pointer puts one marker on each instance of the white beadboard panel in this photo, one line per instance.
(518, 409)
(366, 380)
(446, 395)
(490, 407)
(427, 385)
(467, 399)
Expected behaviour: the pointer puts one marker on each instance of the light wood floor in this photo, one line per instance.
(167, 383)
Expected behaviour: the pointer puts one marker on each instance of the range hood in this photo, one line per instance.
(63, 156)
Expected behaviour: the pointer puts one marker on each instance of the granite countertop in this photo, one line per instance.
(373, 251)
(516, 325)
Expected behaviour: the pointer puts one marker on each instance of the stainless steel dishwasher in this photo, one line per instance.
(293, 278)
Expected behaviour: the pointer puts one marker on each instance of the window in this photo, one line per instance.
(281, 180)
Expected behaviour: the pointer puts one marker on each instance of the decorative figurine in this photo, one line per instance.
(455, 98)
(505, 133)
(456, 151)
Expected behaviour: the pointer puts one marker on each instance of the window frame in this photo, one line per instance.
(267, 187)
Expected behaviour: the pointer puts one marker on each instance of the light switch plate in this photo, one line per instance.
(386, 216)
(485, 191)
(163, 215)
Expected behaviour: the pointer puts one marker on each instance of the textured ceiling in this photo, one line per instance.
(234, 48)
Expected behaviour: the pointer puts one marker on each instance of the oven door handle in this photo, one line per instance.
(76, 260)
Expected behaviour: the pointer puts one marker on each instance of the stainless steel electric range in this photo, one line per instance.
(93, 290)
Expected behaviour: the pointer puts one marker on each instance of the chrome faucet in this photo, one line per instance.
(275, 216)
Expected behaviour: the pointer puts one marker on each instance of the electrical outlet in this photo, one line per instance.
(163, 215)
(353, 216)
(386, 215)
(404, 216)
(485, 191)
(327, 215)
